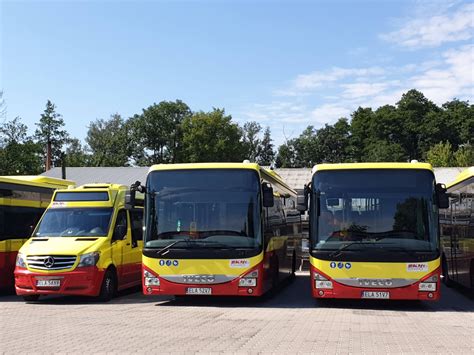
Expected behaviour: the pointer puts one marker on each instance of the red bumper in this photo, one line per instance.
(231, 288)
(83, 282)
(401, 293)
(7, 265)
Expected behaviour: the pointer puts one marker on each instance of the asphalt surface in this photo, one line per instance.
(289, 321)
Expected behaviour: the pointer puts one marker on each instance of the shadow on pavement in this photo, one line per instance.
(293, 294)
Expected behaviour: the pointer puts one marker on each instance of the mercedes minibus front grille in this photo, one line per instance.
(51, 262)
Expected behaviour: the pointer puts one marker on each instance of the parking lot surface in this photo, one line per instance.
(288, 322)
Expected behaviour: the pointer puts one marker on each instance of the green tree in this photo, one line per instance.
(383, 151)
(157, 132)
(441, 155)
(19, 154)
(464, 156)
(212, 137)
(252, 143)
(266, 154)
(76, 154)
(110, 142)
(51, 129)
(286, 156)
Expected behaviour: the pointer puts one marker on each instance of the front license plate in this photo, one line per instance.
(48, 283)
(199, 291)
(376, 294)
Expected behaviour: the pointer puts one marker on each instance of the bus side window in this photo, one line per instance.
(136, 219)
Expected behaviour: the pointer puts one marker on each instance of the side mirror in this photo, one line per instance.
(119, 232)
(442, 196)
(268, 199)
(130, 199)
(302, 199)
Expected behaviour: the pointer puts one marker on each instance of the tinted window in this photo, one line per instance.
(18, 222)
(81, 196)
(136, 218)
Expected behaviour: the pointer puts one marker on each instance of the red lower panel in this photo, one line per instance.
(85, 281)
(7, 266)
(402, 293)
(226, 289)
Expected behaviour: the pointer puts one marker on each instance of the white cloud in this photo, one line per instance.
(434, 30)
(329, 113)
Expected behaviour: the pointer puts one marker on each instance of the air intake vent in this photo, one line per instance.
(86, 239)
(39, 240)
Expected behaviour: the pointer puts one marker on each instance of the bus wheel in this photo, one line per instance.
(109, 286)
(446, 280)
(31, 298)
(275, 275)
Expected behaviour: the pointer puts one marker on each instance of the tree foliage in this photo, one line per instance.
(50, 128)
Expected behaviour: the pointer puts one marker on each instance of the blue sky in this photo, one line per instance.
(285, 64)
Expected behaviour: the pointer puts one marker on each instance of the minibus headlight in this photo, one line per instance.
(20, 260)
(89, 259)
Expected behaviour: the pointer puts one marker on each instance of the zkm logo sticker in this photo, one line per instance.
(340, 265)
(417, 267)
(239, 263)
(169, 262)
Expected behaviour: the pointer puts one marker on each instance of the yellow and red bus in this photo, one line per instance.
(374, 231)
(23, 200)
(87, 243)
(218, 229)
(457, 232)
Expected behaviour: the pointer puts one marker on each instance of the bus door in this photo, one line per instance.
(455, 248)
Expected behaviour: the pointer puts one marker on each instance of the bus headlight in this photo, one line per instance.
(429, 284)
(20, 260)
(150, 279)
(89, 259)
(321, 282)
(249, 280)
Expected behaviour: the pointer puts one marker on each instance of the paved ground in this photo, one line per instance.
(289, 322)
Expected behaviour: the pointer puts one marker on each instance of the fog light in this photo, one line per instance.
(323, 284)
(152, 281)
(148, 289)
(247, 282)
(250, 291)
(321, 293)
(427, 286)
(430, 295)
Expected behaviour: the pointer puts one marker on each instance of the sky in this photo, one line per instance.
(284, 64)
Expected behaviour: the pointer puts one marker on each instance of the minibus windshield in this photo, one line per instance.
(73, 222)
(205, 208)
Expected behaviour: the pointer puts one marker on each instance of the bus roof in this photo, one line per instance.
(347, 166)
(37, 181)
(251, 166)
(466, 174)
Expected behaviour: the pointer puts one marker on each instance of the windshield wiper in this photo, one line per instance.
(167, 248)
(344, 247)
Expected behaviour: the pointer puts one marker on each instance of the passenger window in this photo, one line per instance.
(120, 230)
(136, 220)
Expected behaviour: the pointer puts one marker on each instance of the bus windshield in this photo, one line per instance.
(73, 222)
(374, 210)
(202, 208)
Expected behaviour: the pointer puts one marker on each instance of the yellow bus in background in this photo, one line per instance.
(374, 231)
(457, 231)
(88, 242)
(218, 229)
(23, 200)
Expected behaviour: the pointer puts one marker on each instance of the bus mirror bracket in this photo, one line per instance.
(268, 199)
(442, 196)
(302, 199)
(130, 195)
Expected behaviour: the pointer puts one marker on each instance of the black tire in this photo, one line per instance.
(275, 275)
(108, 290)
(446, 279)
(31, 298)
